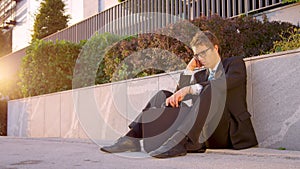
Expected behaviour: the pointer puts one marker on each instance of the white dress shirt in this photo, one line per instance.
(197, 88)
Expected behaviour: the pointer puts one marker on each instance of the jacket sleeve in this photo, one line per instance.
(184, 80)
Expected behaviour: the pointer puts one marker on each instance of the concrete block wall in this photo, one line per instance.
(100, 112)
(274, 98)
(103, 112)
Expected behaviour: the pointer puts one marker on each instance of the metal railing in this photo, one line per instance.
(129, 20)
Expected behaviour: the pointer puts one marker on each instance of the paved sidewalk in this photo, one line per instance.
(49, 153)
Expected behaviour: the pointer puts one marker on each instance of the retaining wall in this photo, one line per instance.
(103, 112)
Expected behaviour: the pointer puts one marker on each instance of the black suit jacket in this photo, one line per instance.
(230, 79)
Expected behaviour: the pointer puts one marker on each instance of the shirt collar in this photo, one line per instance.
(215, 68)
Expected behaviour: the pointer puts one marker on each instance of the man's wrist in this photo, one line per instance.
(185, 90)
(195, 89)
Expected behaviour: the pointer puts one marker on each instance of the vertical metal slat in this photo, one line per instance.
(213, 5)
(198, 8)
(155, 14)
(229, 10)
(152, 15)
(184, 9)
(247, 7)
(172, 7)
(193, 9)
(148, 15)
(163, 11)
(160, 14)
(203, 7)
(189, 9)
(234, 8)
(208, 10)
(260, 3)
(218, 7)
(167, 12)
(223, 9)
(119, 20)
(111, 20)
(172, 11)
(176, 9)
(142, 17)
(254, 4)
(180, 9)
(131, 18)
(133, 7)
(240, 7)
(138, 16)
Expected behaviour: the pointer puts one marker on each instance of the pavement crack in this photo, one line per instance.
(28, 162)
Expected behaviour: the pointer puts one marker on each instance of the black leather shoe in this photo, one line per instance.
(196, 148)
(173, 147)
(165, 152)
(123, 144)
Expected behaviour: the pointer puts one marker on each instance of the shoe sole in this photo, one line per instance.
(166, 156)
(134, 150)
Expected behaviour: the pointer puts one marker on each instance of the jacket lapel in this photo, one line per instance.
(219, 71)
(206, 74)
(201, 76)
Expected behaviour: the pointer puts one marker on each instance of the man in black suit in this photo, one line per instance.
(218, 117)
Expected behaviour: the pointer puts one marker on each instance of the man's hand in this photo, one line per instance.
(193, 64)
(177, 97)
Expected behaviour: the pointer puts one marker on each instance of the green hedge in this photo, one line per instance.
(290, 1)
(89, 65)
(48, 67)
(290, 39)
(144, 55)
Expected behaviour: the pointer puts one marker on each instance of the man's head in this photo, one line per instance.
(206, 49)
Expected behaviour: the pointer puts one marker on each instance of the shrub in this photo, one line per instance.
(89, 66)
(145, 55)
(290, 39)
(243, 36)
(119, 58)
(290, 1)
(48, 67)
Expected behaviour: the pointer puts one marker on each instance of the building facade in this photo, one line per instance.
(19, 15)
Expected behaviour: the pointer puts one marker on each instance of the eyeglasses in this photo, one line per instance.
(201, 54)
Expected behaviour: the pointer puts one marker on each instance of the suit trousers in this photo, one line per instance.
(193, 123)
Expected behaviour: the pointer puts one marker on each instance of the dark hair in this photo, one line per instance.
(205, 38)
